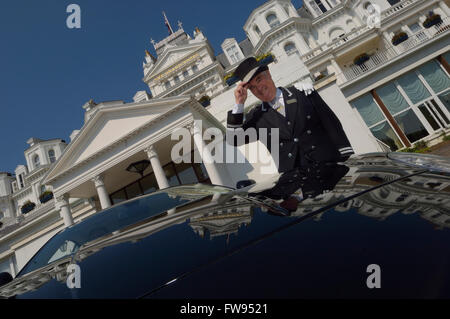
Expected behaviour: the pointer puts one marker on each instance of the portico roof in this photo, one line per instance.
(116, 132)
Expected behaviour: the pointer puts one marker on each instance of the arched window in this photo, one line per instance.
(51, 156)
(290, 48)
(272, 20)
(194, 68)
(167, 85)
(257, 30)
(336, 33)
(36, 161)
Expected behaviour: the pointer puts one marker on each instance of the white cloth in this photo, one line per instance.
(238, 108)
(305, 86)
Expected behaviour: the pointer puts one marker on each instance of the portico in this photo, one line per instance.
(116, 135)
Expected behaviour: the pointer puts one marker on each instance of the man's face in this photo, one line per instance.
(262, 87)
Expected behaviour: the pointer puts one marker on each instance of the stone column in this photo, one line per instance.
(157, 168)
(103, 196)
(64, 206)
(337, 69)
(207, 159)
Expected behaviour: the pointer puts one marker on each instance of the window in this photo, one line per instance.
(315, 8)
(375, 120)
(320, 5)
(435, 76)
(336, 33)
(185, 73)
(272, 20)
(392, 2)
(234, 55)
(290, 48)
(51, 156)
(413, 87)
(257, 30)
(21, 180)
(42, 188)
(176, 174)
(415, 27)
(14, 186)
(194, 68)
(176, 79)
(1, 215)
(401, 111)
(167, 85)
(36, 161)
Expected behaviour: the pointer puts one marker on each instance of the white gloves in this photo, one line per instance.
(305, 86)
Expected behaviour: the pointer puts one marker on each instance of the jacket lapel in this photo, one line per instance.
(275, 119)
(291, 105)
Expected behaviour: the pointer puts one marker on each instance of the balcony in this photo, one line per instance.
(397, 7)
(361, 32)
(385, 56)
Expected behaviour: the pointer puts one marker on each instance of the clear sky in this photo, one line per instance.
(48, 71)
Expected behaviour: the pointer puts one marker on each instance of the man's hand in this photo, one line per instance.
(240, 94)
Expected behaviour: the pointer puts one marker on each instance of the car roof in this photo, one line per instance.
(369, 206)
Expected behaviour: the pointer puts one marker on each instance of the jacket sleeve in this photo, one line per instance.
(237, 133)
(332, 126)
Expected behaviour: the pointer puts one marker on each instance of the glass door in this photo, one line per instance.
(434, 114)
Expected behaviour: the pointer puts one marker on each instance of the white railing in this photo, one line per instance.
(355, 33)
(384, 56)
(397, 7)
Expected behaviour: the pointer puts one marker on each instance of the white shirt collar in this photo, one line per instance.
(278, 98)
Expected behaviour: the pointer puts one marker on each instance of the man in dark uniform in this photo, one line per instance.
(310, 133)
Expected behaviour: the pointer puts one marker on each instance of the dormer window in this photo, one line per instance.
(21, 181)
(318, 7)
(185, 74)
(257, 30)
(51, 156)
(194, 68)
(167, 85)
(234, 55)
(272, 20)
(290, 48)
(176, 79)
(36, 161)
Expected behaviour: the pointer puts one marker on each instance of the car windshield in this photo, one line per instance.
(69, 241)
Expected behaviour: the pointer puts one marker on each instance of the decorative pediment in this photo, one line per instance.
(173, 59)
(110, 126)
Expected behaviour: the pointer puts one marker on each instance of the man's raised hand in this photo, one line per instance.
(240, 94)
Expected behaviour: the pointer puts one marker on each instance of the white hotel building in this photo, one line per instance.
(396, 94)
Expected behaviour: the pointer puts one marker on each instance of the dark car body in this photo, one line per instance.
(203, 241)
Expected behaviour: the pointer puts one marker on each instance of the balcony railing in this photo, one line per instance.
(382, 57)
(397, 7)
(355, 33)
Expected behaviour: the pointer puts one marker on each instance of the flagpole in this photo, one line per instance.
(167, 23)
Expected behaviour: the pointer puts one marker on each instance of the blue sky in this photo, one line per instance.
(48, 71)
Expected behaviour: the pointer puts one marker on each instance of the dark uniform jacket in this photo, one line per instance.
(310, 134)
